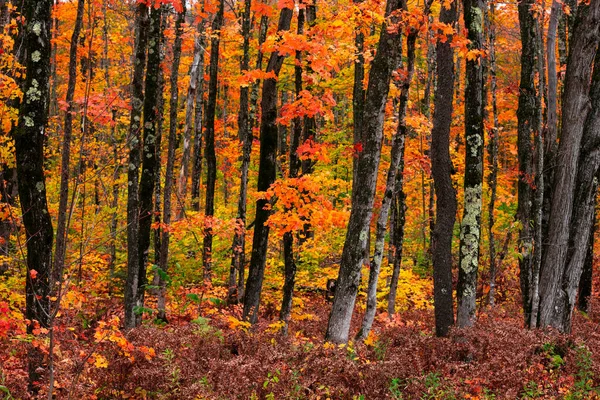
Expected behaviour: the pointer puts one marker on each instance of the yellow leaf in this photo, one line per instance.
(100, 361)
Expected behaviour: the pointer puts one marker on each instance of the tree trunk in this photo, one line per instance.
(385, 62)
(29, 136)
(149, 161)
(470, 228)
(397, 161)
(246, 137)
(560, 273)
(266, 177)
(397, 233)
(134, 142)
(295, 164)
(197, 152)
(173, 105)
(209, 131)
(527, 115)
(441, 170)
(182, 181)
(493, 159)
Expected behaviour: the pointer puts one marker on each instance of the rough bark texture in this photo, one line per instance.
(150, 160)
(173, 103)
(397, 160)
(29, 136)
(386, 60)
(581, 227)
(527, 116)
(470, 229)
(559, 278)
(441, 169)
(266, 176)
(209, 131)
(134, 143)
(245, 136)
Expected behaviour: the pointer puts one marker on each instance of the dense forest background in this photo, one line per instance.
(299, 199)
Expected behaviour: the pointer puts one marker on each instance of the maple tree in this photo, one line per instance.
(218, 172)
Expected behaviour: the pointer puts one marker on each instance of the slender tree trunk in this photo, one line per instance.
(441, 169)
(245, 137)
(266, 177)
(173, 103)
(197, 152)
(397, 233)
(134, 142)
(8, 195)
(470, 228)
(209, 131)
(527, 116)
(182, 181)
(493, 158)
(397, 160)
(385, 62)
(560, 273)
(295, 164)
(29, 136)
(262, 36)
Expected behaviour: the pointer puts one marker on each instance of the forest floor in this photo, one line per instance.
(219, 357)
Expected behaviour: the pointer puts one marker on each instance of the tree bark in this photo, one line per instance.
(397, 161)
(266, 176)
(173, 106)
(209, 154)
(585, 283)
(470, 228)
(197, 152)
(441, 169)
(560, 275)
(527, 115)
(29, 136)
(245, 137)
(134, 142)
(385, 62)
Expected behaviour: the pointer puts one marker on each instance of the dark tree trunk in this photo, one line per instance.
(245, 137)
(358, 93)
(266, 176)
(527, 115)
(397, 234)
(173, 106)
(150, 161)
(209, 131)
(493, 158)
(470, 228)
(29, 136)
(441, 169)
(385, 62)
(262, 37)
(570, 205)
(295, 164)
(8, 195)
(134, 142)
